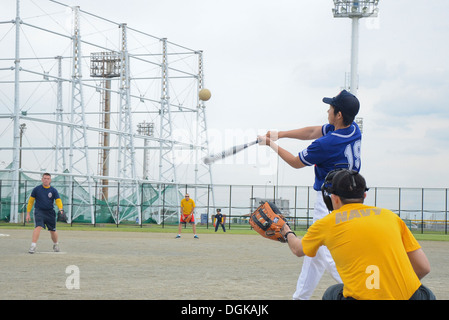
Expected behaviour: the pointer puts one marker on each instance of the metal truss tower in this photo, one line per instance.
(167, 168)
(126, 158)
(78, 133)
(60, 156)
(203, 172)
(155, 82)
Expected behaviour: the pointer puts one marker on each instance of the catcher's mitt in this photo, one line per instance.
(188, 218)
(268, 221)
(62, 216)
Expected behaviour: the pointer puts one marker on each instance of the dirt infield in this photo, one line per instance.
(144, 265)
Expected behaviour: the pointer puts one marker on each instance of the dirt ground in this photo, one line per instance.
(156, 266)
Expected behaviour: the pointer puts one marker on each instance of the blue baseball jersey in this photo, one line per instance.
(335, 149)
(45, 197)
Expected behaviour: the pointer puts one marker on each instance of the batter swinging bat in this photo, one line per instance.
(226, 153)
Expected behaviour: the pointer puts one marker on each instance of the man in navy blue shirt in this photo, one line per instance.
(336, 145)
(44, 214)
(219, 220)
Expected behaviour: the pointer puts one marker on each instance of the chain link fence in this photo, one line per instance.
(425, 210)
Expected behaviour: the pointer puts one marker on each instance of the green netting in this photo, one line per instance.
(123, 204)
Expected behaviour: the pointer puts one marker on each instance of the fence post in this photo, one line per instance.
(1, 203)
(251, 202)
(95, 204)
(294, 215)
(24, 202)
(375, 196)
(230, 209)
(71, 203)
(118, 204)
(141, 206)
(163, 205)
(422, 210)
(208, 204)
(445, 214)
(308, 207)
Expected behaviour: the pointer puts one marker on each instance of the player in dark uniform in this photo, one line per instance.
(336, 144)
(220, 220)
(44, 214)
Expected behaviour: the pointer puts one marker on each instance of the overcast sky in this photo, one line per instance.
(268, 65)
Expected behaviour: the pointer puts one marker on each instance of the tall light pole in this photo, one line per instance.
(105, 65)
(355, 10)
(22, 129)
(145, 129)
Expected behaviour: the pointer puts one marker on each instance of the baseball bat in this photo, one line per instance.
(228, 152)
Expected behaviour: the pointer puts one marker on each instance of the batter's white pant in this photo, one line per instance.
(313, 268)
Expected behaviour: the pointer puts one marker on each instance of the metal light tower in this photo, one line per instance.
(105, 65)
(16, 133)
(355, 10)
(145, 129)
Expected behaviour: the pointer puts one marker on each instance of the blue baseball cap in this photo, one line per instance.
(345, 102)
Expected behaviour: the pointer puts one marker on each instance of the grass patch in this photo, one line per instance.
(134, 228)
(431, 237)
(174, 229)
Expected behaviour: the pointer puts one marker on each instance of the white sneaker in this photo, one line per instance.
(56, 247)
(32, 249)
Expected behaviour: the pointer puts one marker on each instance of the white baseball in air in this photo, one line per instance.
(204, 94)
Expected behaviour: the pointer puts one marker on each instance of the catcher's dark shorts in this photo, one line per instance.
(45, 219)
(335, 292)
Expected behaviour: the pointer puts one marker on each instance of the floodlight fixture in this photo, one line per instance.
(355, 10)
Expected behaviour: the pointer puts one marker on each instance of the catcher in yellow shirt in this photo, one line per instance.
(187, 216)
(375, 253)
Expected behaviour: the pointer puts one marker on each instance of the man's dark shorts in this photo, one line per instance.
(45, 219)
(335, 292)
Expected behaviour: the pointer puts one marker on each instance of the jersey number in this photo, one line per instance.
(352, 154)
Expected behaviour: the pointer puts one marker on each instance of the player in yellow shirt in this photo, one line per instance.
(187, 216)
(375, 253)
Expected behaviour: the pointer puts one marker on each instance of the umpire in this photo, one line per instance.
(376, 255)
(44, 214)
